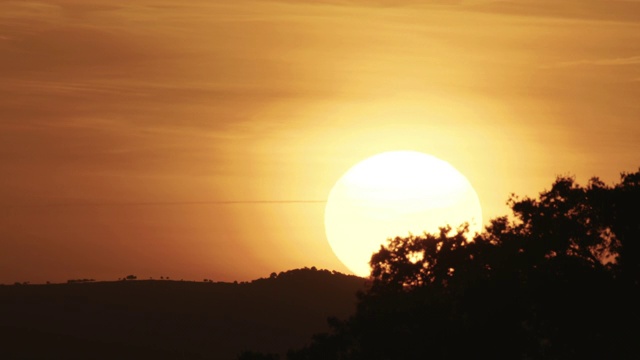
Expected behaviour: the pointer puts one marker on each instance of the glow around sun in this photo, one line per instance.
(393, 194)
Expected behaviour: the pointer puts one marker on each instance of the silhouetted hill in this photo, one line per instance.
(161, 319)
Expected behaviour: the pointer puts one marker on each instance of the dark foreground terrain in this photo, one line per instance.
(151, 319)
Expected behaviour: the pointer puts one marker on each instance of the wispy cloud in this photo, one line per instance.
(621, 61)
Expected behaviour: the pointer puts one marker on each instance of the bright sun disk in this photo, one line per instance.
(393, 194)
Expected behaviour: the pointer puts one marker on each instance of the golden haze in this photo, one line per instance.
(115, 116)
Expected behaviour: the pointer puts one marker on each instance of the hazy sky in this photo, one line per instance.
(118, 118)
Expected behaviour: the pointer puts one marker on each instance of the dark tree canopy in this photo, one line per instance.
(251, 355)
(558, 279)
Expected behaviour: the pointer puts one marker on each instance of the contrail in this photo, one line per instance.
(173, 203)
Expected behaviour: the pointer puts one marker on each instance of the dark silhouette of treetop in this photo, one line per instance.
(556, 279)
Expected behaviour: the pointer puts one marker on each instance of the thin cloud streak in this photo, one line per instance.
(176, 203)
(631, 60)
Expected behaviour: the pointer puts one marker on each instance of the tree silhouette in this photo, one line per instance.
(558, 279)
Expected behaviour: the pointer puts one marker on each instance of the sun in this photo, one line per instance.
(394, 194)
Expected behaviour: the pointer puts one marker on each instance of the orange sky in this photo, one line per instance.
(115, 116)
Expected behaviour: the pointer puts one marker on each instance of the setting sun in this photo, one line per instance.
(394, 194)
(201, 179)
